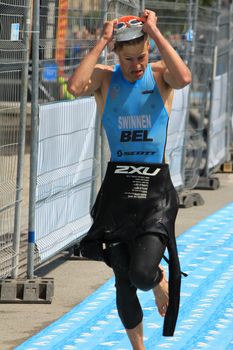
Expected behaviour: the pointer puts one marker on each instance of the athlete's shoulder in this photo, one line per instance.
(100, 78)
(104, 69)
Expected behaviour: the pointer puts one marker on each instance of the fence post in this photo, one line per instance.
(231, 74)
(96, 162)
(187, 197)
(214, 69)
(191, 31)
(229, 83)
(142, 6)
(21, 140)
(34, 137)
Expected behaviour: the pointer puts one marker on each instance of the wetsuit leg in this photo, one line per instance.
(146, 253)
(135, 266)
(128, 306)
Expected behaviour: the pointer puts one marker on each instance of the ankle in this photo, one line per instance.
(136, 337)
(139, 347)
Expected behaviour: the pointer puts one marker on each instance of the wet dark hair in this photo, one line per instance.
(119, 44)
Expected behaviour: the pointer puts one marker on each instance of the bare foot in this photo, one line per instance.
(161, 294)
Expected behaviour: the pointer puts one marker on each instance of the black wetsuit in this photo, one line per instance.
(128, 208)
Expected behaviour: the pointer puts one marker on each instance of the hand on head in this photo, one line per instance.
(150, 21)
(148, 18)
(108, 28)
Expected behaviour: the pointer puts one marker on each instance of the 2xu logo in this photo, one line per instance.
(131, 169)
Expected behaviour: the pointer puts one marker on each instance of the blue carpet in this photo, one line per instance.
(206, 314)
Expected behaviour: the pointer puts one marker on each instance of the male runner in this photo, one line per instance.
(135, 210)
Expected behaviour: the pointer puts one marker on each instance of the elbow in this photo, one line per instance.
(185, 80)
(188, 78)
(75, 89)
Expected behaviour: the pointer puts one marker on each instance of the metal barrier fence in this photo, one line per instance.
(66, 164)
(202, 65)
(217, 113)
(178, 22)
(63, 32)
(177, 137)
(14, 50)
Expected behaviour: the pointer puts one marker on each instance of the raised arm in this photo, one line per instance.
(88, 76)
(176, 74)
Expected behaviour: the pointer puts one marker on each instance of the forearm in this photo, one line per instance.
(82, 74)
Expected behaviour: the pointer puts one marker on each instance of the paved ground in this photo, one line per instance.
(205, 316)
(75, 279)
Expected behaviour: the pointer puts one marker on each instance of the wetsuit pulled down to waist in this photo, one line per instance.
(134, 199)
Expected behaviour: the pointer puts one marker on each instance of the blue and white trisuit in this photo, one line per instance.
(136, 207)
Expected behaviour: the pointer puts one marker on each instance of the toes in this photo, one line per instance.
(162, 309)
